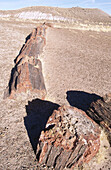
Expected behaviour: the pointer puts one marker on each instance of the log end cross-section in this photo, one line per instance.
(70, 138)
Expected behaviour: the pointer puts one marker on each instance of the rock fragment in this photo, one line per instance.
(70, 137)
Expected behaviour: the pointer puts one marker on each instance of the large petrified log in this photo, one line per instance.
(27, 76)
(100, 111)
(70, 137)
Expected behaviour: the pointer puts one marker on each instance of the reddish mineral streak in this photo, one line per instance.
(69, 130)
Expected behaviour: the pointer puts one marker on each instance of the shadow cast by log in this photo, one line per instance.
(81, 99)
(14, 71)
(21, 50)
(38, 112)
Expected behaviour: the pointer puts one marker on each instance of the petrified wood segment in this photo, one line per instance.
(27, 76)
(100, 111)
(70, 137)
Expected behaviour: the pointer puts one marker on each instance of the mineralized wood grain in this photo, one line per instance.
(69, 138)
(100, 111)
(27, 75)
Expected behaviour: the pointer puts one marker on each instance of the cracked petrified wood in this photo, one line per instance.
(27, 76)
(70, 137)
(100, 111)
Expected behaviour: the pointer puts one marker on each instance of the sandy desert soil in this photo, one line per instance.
(75, 63)
(77, 72)
(76, 17)
(14, 139)
(78, 61)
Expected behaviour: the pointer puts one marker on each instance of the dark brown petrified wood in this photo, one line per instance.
(100, 111)
(27, 76)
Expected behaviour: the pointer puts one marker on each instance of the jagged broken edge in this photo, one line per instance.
(27, 72)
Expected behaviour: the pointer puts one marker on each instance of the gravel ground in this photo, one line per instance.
(76, 60)
(15, 149)
(72, 60)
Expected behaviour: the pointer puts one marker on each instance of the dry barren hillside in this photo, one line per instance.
(76, 17)
(76, 63)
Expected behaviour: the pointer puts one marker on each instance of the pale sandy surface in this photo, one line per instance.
(76, 60)
(72, 60)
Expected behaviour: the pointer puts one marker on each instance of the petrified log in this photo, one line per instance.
(70, 137)
(100, 111)
(27, 76)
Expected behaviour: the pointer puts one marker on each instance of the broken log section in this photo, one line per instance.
(100, 112)
(27, 76)
(70, 137)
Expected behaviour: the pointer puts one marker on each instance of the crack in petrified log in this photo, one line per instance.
(70, 137)
(27, 76)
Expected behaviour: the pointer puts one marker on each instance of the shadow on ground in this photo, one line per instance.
(80, 99)
(21, 50)
(38, 112)
(14, 72)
